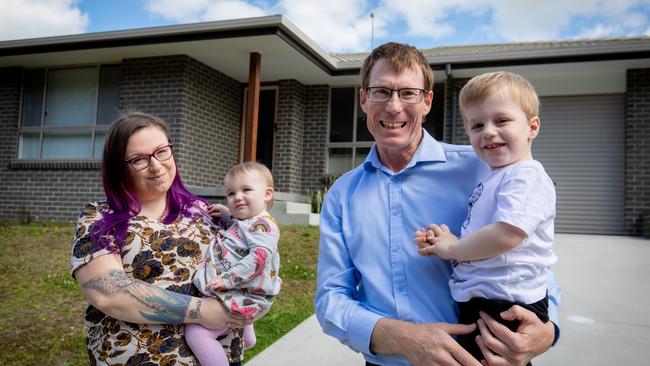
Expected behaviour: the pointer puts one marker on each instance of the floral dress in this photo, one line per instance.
(166, 255)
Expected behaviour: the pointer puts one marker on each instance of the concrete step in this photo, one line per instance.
(288, 212)
(291, 207)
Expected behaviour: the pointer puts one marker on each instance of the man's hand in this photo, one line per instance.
(501, 346)
(434, 345)
(218, 211)
(442, 241)
(423, 344)
(420, 238)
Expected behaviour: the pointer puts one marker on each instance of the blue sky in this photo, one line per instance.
(345, 25)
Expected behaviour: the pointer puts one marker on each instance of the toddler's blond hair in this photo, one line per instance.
(512, 85)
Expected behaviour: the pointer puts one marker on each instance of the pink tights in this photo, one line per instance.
(207, 349)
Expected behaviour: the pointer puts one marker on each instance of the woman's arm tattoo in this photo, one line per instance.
(196, 312)
(169, 307)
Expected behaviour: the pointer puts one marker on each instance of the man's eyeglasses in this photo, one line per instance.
(142, 162)
(406, 95)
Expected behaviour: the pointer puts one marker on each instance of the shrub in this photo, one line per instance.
(315, 198)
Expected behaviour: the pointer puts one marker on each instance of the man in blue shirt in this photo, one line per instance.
(375, 293)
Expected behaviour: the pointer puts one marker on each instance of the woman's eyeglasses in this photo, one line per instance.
(142, 162)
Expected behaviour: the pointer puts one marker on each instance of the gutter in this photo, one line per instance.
(259, 26)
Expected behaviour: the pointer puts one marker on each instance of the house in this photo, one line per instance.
(58, 96)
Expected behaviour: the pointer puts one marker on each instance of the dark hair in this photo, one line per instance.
(400, 56)
(122, 201)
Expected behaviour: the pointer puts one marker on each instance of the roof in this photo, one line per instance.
(624, 47)
(287, 53)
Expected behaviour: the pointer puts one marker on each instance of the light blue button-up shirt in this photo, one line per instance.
(368, 265)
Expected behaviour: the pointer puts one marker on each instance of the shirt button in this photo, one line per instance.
(395, 249)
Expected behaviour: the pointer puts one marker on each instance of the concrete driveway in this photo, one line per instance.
(605, 312)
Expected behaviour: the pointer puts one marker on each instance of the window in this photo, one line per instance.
(66, 112)
(349, 139)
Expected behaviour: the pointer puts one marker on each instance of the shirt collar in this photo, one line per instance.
(429, 150)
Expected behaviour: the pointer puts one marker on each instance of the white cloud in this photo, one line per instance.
(521, 20)
(231, 9)
(180, 11)
(531, 20)
(598, 31)
(335, 25)
(21, 19)
(635, 20)
(345, 25)
(203, 10)
(429, 18)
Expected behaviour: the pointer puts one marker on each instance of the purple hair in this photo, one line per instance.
(122, 201)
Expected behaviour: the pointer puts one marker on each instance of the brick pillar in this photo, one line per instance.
(288, 153)
(637, 151)
(10, 84)
(315, 137)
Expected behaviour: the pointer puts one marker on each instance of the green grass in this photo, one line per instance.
(41, 306)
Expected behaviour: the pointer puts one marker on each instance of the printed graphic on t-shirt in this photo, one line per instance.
(472, 200)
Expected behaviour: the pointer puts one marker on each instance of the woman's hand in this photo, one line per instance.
(213, 315)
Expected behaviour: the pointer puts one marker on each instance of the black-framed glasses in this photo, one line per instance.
(142, 162)
(380, 94)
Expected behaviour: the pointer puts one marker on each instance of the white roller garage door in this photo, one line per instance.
(581, 145)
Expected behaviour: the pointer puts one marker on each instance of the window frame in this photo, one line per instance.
(354, 144)
(42, 130)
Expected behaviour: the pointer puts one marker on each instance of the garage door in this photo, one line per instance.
(581, 145)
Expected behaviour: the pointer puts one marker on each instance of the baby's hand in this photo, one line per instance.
(216, 286)
(442, 239)
(218, 211)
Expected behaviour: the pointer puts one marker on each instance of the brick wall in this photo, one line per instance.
(201, 105)
(637, 151)
(208, 103)
(288, 153)
(37, 190)
(315, 136)
(211, 125)
(156, 85)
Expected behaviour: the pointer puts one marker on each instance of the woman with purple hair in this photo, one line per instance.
(134, 255)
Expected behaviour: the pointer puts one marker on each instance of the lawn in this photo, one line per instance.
(41, 306)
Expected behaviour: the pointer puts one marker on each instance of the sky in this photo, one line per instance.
(347, 25)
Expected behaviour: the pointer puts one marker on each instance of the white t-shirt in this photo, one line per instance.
(522, 195)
